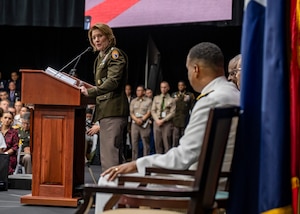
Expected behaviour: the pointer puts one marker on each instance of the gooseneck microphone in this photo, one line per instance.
(73, 70)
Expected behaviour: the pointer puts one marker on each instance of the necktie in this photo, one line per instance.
(11, 95)
(163, 103)
(162, 107)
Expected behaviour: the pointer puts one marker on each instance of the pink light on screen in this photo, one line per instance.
(126, 13)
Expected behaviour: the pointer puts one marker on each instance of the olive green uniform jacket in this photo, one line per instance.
(111, 73)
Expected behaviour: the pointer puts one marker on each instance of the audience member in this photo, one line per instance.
(184, 104)
(3, 95)
(163, 111)
(11, 139)
(4, 104)
(2, 140)
(3, 83)
(23, 110)
(14, 95)
(238, 73)
(232, 65)
(12, 109)
(140, 112)
(91, 135)
(17, 118)
(24, 136)
(15, 77)
(112, 108)
(2, 144)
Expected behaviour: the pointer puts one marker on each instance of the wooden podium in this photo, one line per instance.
(58, 137)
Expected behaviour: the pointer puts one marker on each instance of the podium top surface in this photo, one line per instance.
(44, 88)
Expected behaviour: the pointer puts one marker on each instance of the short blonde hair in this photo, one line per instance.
(106, 30)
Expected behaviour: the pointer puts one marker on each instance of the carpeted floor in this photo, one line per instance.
(10, 199)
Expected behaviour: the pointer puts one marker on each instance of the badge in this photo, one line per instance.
(99, 82)
(115, 54)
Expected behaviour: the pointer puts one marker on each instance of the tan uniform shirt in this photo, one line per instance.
(140, 106)
(166, 111)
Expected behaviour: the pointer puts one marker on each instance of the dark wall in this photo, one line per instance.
(44, 13)
(40, 47)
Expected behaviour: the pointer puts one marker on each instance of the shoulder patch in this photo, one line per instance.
(115, 54)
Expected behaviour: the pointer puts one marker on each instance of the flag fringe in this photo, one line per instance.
(281, 210)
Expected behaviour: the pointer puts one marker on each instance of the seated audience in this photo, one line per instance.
(14, 95)
(11, 139)
(4, 104)
(3, 83)
(17, 118)
(91, 135)
(24, 135)
(3, 94)
(15, 77)
(2, 140)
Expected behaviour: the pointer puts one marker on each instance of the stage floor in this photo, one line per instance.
(10, 200)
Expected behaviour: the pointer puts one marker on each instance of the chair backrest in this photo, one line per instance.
(211, 158)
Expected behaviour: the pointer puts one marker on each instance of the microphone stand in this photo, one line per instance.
(76, 58)
(73, 70)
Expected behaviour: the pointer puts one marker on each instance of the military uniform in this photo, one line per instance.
(184, 104)
(138, 108)
(166, 112)
(112, 108)
(24, 137)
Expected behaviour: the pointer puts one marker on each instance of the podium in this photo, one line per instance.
(58, 137)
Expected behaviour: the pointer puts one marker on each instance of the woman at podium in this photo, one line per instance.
(112, 109)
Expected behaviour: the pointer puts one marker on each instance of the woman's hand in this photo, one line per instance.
(125, 168)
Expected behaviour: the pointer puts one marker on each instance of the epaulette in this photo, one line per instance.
(203, 95)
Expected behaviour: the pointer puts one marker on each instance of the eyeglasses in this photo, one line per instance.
(233, 72)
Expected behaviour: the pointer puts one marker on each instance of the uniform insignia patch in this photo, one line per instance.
(115, 54)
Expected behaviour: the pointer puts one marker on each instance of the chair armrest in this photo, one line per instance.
(148, 179)
(150, 170)
(161, 191)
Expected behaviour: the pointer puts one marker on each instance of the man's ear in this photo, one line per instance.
(196, 69)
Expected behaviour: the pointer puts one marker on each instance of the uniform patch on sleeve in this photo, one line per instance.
(115, 54)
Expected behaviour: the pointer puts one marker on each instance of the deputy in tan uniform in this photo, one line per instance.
(140, 112)
(163, 111)
(112, 108)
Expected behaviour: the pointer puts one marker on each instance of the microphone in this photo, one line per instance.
(76, 58)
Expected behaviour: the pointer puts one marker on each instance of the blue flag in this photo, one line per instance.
(261, 166)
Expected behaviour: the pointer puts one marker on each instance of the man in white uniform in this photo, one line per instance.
(205, 65)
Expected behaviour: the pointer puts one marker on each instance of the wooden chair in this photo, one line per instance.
(200, 189)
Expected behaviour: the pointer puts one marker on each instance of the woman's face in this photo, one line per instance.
(6, 119)
(100, 41)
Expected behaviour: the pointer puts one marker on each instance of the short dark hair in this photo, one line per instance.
(208, 52)
(89, 111)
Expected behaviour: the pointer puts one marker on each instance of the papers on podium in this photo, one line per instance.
(61, 76)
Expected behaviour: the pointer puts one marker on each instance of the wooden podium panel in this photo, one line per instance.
(58, 139)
